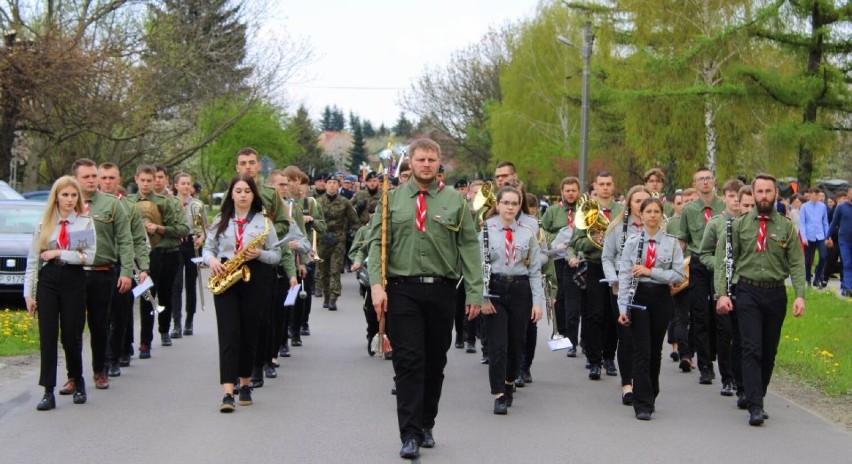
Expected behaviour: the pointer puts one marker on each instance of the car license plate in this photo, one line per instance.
(11, 279)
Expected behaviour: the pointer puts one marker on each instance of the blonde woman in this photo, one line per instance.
(54, 285)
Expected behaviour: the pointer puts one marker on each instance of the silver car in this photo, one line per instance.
(18, 222)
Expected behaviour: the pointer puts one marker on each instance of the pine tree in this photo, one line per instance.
(338, 121)
(367, 126)
(383, 131)
(403, 128)
(358, 152)
(326, 124)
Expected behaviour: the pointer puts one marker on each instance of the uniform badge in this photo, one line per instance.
(437, 217)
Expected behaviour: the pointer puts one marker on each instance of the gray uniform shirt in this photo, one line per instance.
(224, 246)
(668, 267)
(611, 254)
(527, 255)
(73, 256)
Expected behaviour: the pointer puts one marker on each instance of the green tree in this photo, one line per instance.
(301, 129)
(403, 128)
(326, 122)
(338, 121)
(369, 131)
(358, 151)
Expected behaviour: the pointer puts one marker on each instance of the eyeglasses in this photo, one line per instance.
(704, 179)
(509, 203)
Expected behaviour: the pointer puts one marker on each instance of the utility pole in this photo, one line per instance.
(586, 51)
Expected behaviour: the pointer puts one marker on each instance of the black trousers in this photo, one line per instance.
(61, 297)
(99, 289)
(121, 325)
(724, 347)
(280, 314)
(370, 313)
(625, 345)
(561, 327)
(238, 313)
(680, 323)
(185, 278)
(422, 319)
(736, 349)
(459, 312)
(164, 266)
(573, 302)
(267, 278)
(530, 341)
(649, 332)
(302, 309)
(595, 312)
(760, 313)
(507, 329)
(701, 313)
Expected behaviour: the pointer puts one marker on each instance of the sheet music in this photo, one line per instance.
(80, 239)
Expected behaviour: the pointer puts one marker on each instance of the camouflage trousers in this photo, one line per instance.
(328, 271)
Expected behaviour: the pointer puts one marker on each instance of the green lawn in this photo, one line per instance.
(18, 333)
(817, 348)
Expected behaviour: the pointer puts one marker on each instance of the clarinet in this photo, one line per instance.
(486, 263)
(624, 219)
(634, 281)
(729, 257)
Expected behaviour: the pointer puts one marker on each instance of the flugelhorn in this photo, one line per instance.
(590, 217)
(483, 201)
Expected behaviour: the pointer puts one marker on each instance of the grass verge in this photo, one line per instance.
(817, 348)
(18, 333)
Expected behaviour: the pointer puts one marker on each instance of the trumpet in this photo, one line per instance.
(149, 297)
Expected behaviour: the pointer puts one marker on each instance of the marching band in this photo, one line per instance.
(710, 272)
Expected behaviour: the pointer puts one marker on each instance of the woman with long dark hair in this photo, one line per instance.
(237, 229)
(54, 284)
(515, 281)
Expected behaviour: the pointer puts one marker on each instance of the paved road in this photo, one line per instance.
(331, 404)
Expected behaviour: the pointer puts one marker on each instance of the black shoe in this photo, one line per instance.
(332, 304)
(113, 369)
(325, 303)
(48, 402)
(270, 372)
(755, 417)
(144, 351)
(706, 378)
(627, 398)
(393, 389)
(245, 396)
(519, 382)
(470, 347)
(459, 345)
(187, 329)
(609, 366)
(388, 355)
(742, 402)
(484, 360)
(165, 340)
(675, 357)
(305, 330)
(227, 403)
(588, 364)
(764, 415)
(124, 360)
(410, 449)
(571, 353)
(370, 348)
(595, 372)
(284, 351)
(685, 365)
(643, 416)
(525, 374)
(727, 389)
(510, 395)
(296, 342)
(500, 407)
(177, 332)
(428, 439)
(79, 392)
(256, 380)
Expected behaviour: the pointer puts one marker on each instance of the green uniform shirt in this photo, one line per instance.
(174, 221)
(295, 212)
(692, 223)
(580, 242)
(339, 215)
(673, 226)
(360, 245)
(713, 233)
(361, 202)
(115, 243)
(448, 248)
(783, 256)
(312, 208)
(141, 247)
(274, 209)
(556, 217)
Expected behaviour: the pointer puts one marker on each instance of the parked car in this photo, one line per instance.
(18, 222)
(37, 195)
(8, 193)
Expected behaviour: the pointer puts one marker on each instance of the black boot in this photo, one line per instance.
(256, 380)
(47, 402)
(332, 304)
(325, 302)
(79, 392)
(187, 328)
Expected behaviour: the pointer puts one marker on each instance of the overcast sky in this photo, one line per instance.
(368, 52)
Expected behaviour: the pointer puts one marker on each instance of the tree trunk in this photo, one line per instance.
(805, 168)
(710, 134)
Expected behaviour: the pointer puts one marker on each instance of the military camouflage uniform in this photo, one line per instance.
(340, 217)
(361, 203)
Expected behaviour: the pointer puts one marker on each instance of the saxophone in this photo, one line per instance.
(235, 268)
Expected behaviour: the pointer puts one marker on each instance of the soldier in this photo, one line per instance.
(318, 189)
(340, 217)
(694, 219)
(347, 190)
(765, 251)
(713, 233)
(165, 239)
(120, 347)
(421, 279)
(114, 246)
(362, 199)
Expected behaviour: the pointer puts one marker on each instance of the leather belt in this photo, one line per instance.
(105, 267)
(653, 286)
(56, 262)
(171, 250)
(508, 279)
(420, 280)
(761, 284)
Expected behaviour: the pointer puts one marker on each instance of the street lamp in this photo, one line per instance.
(586, 51)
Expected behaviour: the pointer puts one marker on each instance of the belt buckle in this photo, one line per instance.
(427, 280)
